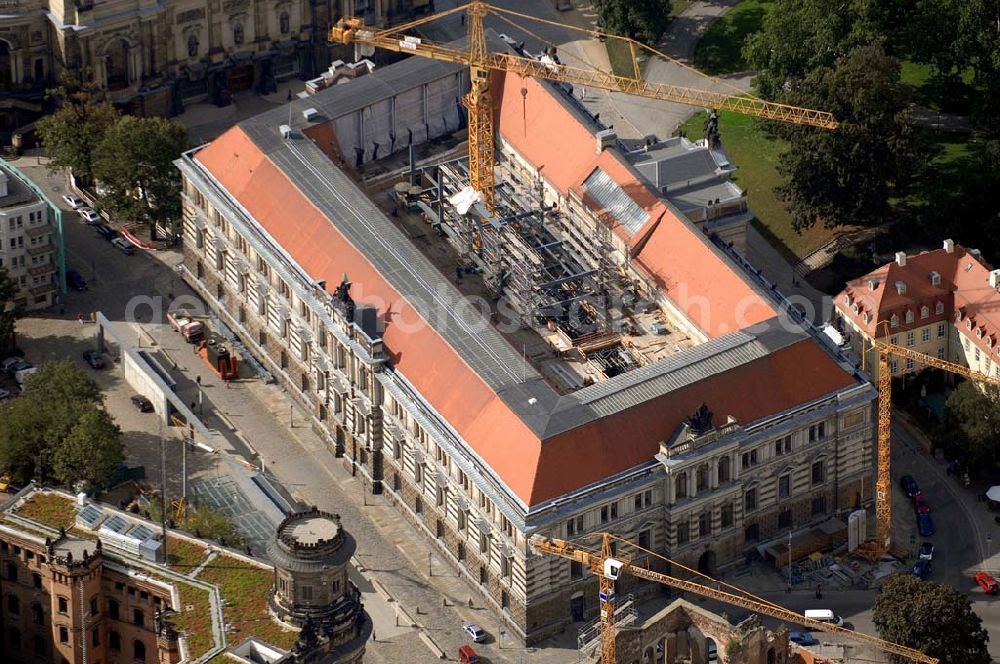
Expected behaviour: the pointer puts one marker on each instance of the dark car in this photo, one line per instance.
(925, 525)
(94, 359)
(922, 569)
(106, 232)
(909, 485)
(927, 551)
(802, 638)
(143, 404)
(75, 281)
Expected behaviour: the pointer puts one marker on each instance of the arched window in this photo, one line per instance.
(924, 311)
(283, 23)
(13, 638)
(116, 65)
(681, 485)
(238, 34)
(138, 651)
(909, 316)
(193, 46)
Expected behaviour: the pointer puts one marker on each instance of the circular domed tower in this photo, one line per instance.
(310, 554)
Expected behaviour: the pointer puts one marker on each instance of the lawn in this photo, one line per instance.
(931, 92)
(756, 156)
(245, 589)
(620, 56)
(719, 51)
(196, 624)
(184, 555)
(49, 509)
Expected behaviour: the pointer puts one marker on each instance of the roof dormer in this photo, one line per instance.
(901, 287)
(873, 284)
(935, 278)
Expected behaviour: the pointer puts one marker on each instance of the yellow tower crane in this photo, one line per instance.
(609, 568)
(883, 483)
(481, 61)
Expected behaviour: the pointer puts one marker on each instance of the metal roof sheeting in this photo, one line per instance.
(615, 201)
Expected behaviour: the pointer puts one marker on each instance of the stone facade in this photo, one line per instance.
(316, 342)
(688, 633)
(311, 590)
(153, 58)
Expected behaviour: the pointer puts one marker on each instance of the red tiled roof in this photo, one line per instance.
(675, 254)
(535, 470)
(794, 375)
(964, 286)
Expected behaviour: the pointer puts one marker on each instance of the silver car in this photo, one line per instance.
(475, 632)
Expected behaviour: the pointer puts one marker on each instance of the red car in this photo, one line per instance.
(466, 655)
(920, 504)
(987, 583)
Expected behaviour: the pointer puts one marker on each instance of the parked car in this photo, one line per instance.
(909, 486)
(89, 215)
(143, 404)
(920, 504)
(922, 569)
(73, 201)
(94, 359)
(925, 525)
(106, 231)
(12, 365)
(987, 583)
(466, 655)
(927, 551)
(75, 280)
(21, 375)
(475, 632)
(802, 638)
(123, 244)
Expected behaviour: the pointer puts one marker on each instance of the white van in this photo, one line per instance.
(824, 615)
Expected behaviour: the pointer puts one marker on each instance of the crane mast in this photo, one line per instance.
(481, 62)
(609, 569)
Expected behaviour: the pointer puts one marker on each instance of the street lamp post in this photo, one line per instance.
(789, 560)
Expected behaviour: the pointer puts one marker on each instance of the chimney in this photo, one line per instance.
(606, 138)
(901, 258)
(949, 246)
(994, 279)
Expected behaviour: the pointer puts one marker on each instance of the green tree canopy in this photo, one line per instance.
(642, 20)
(58, 429)
(972, 424)
(73, 132)
(9, 312)
(847, 176)
(978, 47)
(931, 617)
(135, 163)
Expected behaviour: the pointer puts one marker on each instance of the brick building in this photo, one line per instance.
(76, 586)
(713, 426)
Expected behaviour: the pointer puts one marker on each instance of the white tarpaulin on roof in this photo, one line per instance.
(465, 199)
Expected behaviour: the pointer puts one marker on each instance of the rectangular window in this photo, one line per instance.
(977, 353)
(307, 593)
(138, 618)
(909, 339)
(750, 500)
(727, 515)
(819, 506)
(575, 570)
(940, 330)
(683, 534)
(604, 514)
(940, 353)
(818, 473)
(645, 539)
(909, 363)
(925, 334)
(784, 486)
(63, 634)
(63, 604)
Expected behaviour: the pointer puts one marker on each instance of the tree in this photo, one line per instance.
(847, 176)
(73, 132)
(135, 163)
(58, 428)
(91, 451)
(931, 617)
(978, 47)
(642, 20)
(9, 312)
(799, 36)
(972, 424)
